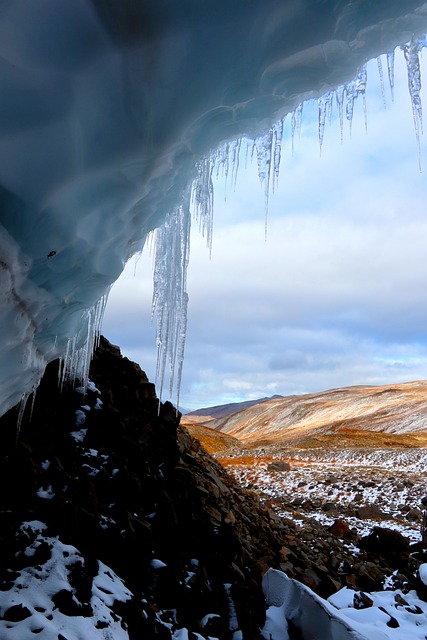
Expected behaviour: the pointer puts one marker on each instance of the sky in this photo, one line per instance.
(335, 295)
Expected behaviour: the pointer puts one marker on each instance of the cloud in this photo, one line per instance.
(335, 296)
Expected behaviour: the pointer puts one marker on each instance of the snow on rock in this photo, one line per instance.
(42, 600)
(109, 111)
(422, 571)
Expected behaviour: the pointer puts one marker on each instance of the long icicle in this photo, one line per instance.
(411, 52)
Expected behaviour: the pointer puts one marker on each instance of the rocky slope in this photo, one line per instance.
(110, 474)
(389, 412)
(115, 522)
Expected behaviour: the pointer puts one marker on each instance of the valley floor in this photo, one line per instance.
(354, 511)
(363, 488)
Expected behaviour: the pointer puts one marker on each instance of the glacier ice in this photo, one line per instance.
(108, 112)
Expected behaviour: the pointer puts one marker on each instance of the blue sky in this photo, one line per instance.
(335, 296)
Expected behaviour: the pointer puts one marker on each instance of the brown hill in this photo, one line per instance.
(394, 410)
(212, 440)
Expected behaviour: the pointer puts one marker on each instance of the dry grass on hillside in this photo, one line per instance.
(354, 438)
(188, 419)
(213, 441)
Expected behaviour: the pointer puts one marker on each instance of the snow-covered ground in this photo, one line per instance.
(42, 602)
(324, 485)
(46, 598)
(32, 604)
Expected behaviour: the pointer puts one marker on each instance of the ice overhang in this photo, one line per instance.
(107, 106)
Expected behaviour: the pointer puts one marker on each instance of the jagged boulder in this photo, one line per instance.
(389, 544)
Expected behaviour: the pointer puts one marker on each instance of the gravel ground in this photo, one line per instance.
(381, 487)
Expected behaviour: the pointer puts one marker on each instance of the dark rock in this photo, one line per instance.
(370, 512)
(339, 529)
(311, 579)
(414, 609)
(369, 577)
(329, 506)
(16, 613)
(414, 515)
(151, 491)
(279, 466)
(66, 603)
(400, 600)
(362, 601)
(389, 544)
(392, 622)
(297, 502)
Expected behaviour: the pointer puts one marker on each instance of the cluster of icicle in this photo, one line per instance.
(75, 364)
(172, 240)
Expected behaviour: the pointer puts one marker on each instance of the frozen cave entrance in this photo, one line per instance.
(109, 109)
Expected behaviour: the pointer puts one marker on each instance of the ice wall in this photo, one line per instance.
(108, 107)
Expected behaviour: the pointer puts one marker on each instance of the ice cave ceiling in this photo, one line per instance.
(107, 108)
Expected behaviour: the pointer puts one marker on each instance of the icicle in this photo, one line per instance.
(264, 146)
(277, 150)
(234, 155)
(170, 299)
(21, 411)
(381, 76)
(324, 105)
(390, 71)
(353, 90)
(296, 123)
(221, 161)
(203, 198)
(339, 97)
(248, 148)
(422, 42)
(33, 400)
(411, 53)
(350, 91)
(361, 81)
(76, 362)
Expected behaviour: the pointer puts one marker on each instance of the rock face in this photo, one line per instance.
(112, 474)
(119, 520)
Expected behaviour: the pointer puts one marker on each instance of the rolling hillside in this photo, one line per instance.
(391, 413)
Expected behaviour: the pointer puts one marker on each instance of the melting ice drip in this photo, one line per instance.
(76, 362)
(172, 240)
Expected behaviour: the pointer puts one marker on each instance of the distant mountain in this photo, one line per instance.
(398, 410)
(221, 410)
